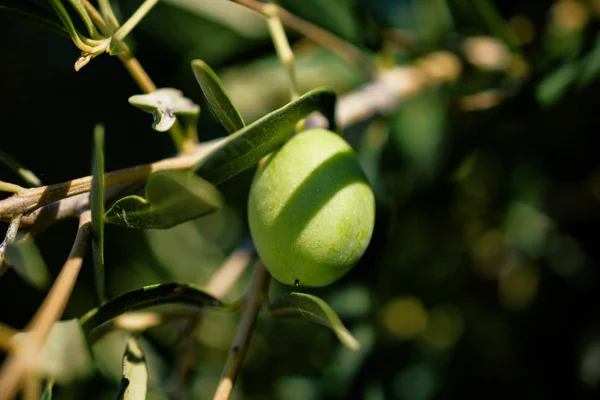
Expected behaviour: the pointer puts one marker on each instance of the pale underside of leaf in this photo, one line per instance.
(135, 371)
(164, 104)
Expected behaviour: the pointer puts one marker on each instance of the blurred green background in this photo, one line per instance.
(481, 280)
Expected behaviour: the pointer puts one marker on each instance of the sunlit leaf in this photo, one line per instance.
(65, 356)
(31, 12)
(314, 309)
(247, 146)
(27, 262)
(97, 208)
(172, 197)
(216, 96)
(134, 383)
(164, 104)
(145, 297)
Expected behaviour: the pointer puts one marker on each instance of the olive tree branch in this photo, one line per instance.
(33, 198)
(18, 362)
(256, 295)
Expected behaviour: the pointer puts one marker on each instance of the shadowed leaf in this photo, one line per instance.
(247, 146)
(97, 207)
(65, 356)
(164, 104)
(217, 98)
(27, 262)
(314, 309)
(145, 297)
(33, 13)
(172, 197)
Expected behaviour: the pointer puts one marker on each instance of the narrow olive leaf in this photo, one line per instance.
(33, 13)
(134, 382)
(164, 104)
(316, 310)
(217, 98)
(247, 146)
(145, 297)
(47, 393)
(25, 259)
(172, 197)
(97, 207)
(65, 356)
(555, 84)
(25, 174)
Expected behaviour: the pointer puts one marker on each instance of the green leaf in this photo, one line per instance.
(590, 64)
(555, 84)
(97, 207)
(247, 146)
(316, 310)
(80, 8)
(33, 13)
(164, 104)
(65, 356)
(47, 394)
(27, 262)
(217, 98)
(172, 197)
(134, 383)
(25, 174)
(145, 297)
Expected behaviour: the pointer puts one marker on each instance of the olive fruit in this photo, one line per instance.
(311, 210)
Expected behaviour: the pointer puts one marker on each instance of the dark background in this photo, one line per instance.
(481, 280)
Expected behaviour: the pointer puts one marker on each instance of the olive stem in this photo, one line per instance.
(256, 296)
(29, 200)
(282, 46)
(340, 47)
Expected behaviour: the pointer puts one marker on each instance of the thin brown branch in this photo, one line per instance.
(6, 337)
(256, 296)
(34, 198)
(391, 87)
(11, 235)
(341, 48)
(15, 367)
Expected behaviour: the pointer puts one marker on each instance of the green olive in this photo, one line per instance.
(311, 210)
